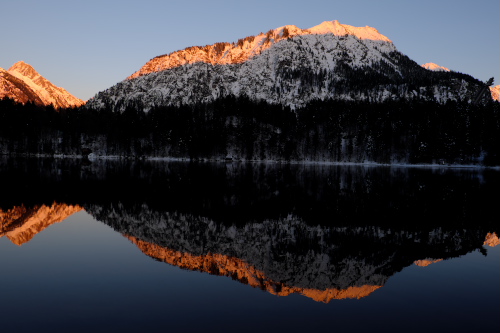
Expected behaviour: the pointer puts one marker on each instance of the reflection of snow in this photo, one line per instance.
(491, 239)
(33, 220)
(426, 262)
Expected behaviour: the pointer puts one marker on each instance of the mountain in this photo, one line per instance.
(249, 47)
(23, 84)
(288, 66)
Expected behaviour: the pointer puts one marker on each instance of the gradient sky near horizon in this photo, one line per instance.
(88, 46)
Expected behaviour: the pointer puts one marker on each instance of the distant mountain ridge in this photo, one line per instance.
(24, 84)
(495, 91)
(287, 66)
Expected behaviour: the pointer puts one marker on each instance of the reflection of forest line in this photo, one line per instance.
(241, 193)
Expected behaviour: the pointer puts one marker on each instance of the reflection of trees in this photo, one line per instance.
(240, 193)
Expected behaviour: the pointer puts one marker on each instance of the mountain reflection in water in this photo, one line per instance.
(326, 232)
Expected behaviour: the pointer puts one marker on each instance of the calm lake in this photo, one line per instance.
(155, 246)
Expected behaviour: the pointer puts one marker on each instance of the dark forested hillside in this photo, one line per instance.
(240, 129)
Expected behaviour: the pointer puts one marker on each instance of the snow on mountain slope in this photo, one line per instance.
(12, 87)
(286, 66)
(434, 67)
(249, 47)
(495, 91)
(24, 84)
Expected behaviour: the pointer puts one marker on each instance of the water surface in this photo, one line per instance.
(120, 246)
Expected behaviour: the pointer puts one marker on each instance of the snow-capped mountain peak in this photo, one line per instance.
(24, 69)
(435, 67)
(338, 29)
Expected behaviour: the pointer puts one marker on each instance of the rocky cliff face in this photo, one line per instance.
(23, 84)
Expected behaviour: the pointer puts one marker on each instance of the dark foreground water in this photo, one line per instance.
(115, 246)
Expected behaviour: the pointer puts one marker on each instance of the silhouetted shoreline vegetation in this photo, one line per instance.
(236, 128)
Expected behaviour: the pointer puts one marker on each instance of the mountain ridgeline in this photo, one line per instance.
(291, 67)
(331, 93)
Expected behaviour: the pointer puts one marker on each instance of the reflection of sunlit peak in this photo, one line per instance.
(238, 269)
(492, 239)
(21, 224)
(426, 262)
(328, 295)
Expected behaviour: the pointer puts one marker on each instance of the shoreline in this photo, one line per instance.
(91, 158)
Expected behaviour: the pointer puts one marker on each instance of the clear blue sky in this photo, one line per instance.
(87, 46)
